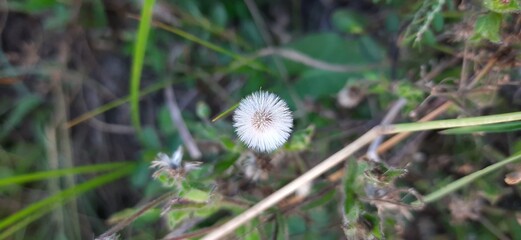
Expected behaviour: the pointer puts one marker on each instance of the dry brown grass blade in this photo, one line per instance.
(285, 191)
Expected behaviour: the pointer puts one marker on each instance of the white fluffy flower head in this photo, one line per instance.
(263, 121)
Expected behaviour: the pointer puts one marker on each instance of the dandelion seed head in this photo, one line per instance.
(263, 121)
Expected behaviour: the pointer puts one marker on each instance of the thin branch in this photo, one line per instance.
(372, 152)
(178, 121)
(439, 69)
(111, 127)
(306, 60)
(134, 216)
(482, 73)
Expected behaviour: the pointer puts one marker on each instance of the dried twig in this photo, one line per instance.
(439, 69)
(134, 216)
(178, 121)
(306, 60)
(372, 152)
(482, 73)
(111, 127)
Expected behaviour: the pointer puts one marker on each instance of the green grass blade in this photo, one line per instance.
(21, 109)
(47, 204)
(250, 62)
(451, 187)
(60, 172)
(453, 123)
(489, 128)
(116, 103)
(21, 224)
(137, 63)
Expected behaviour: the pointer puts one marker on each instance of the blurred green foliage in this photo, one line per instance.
(209, 51)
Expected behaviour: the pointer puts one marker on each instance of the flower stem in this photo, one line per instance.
(226, 112)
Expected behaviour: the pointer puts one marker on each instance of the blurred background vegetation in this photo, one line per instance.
(87, 94)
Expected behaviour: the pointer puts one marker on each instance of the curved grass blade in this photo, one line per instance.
(248, 61)
(39, 208)
(21, 224)
(88, 115)
(60, 172)
(22, 108)
(490, 128)
(137, 63)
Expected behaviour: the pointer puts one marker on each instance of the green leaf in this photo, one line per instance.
(488, 27)
(229, 144)
(321, 201)
(177, 216)
(320, 83)
(490, 128)
(149, 138)
(348, 21)
(219, 16)
(196, 195)
(301, 139)
(226, 162)
(502, 6)
(438, 22)
(350, 187)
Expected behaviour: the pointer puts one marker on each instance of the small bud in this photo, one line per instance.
(350, 96)
(172, 166)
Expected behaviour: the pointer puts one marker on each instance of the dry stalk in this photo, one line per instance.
(118, 227)
(178, 121)
(285, 191)
(306, 60)
(372, 152)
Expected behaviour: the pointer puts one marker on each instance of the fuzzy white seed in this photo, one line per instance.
(263, 121)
